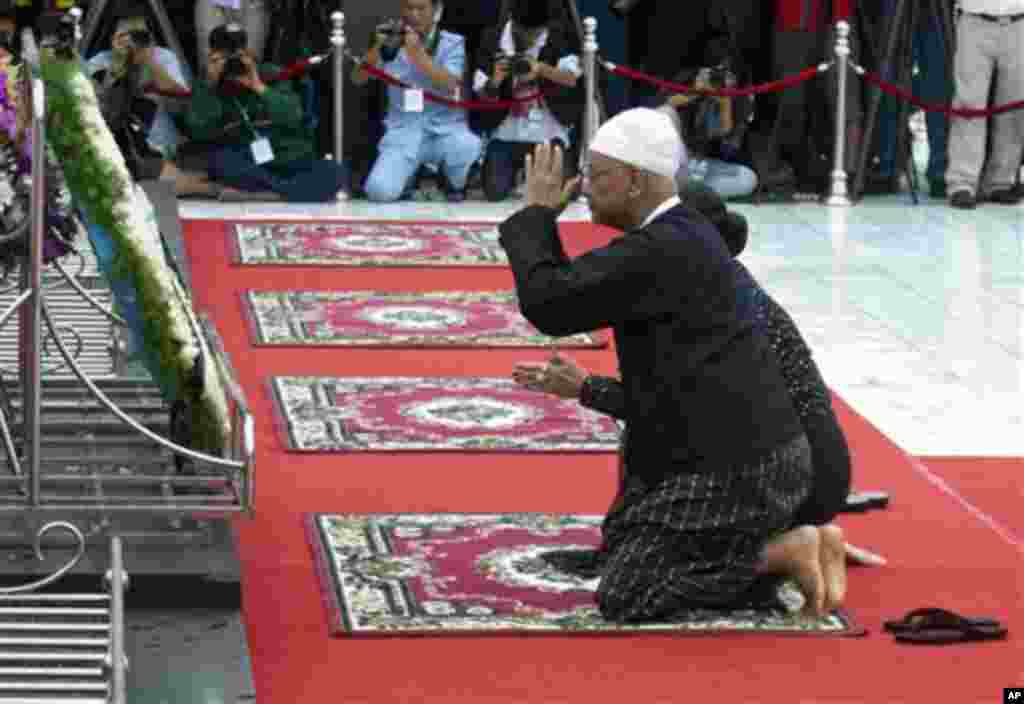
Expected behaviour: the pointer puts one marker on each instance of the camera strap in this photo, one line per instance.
(260, 147)
(433, 41)
(245, 118)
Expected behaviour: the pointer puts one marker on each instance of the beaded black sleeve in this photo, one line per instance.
(604, 394)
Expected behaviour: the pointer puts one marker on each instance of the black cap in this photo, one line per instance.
(734, 231)
(531, 13)
(128, 10)
(731, 226)
(228, 37)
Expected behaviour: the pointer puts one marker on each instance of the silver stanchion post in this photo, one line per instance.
(117, 582)
(591, 116)
(840, 195)
(32, 317)
(76, 16)
(338, 43)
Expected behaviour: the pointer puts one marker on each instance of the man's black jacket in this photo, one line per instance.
(702, 391)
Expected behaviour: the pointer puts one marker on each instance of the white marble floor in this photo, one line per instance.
(915, 313)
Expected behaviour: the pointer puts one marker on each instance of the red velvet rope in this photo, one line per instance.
(806, 74)
(904, 94)
(482, 105)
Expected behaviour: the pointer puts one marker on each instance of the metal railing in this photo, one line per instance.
(223, 485)
(58, 648)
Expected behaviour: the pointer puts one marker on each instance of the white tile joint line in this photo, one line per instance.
(1005, 533)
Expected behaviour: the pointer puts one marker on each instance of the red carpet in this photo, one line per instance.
(940, 554)
(993, 484)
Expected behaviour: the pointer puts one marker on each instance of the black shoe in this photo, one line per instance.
(963, 199)
(1005, 196)
(937, 189)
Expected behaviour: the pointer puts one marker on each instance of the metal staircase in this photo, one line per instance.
(64, 648)
(86, 465)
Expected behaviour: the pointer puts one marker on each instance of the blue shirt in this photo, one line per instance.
(436, 119)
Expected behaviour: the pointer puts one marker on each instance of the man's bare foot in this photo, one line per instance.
(797, 554)
(833, 565)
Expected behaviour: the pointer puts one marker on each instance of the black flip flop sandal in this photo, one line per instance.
(917, 617)
(940, 626)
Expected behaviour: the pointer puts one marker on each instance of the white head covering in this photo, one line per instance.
(644, 138)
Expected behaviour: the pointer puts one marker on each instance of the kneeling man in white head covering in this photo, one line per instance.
(717, 462)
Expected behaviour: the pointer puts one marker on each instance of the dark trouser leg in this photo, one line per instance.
(501, 163)
(312, 181)
(793, 52)
(889, 108)
(934, 85)
(234, 166)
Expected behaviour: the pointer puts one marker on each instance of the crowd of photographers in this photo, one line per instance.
(237, 131)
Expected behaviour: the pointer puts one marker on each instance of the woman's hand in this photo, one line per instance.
(215, 66)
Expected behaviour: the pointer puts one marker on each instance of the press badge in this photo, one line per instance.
(412, 100)
(262, 152)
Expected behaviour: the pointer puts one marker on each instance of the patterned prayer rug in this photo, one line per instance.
(445, 574)
(387, 414)
(369, 318)
(367, 243)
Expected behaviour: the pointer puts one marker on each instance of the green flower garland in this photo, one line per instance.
(96, 174)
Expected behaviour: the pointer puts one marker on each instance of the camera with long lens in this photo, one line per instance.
(232, 40)
(705, 111)
(519, 65)
(234, 67)
(140, 39)
(393, 33)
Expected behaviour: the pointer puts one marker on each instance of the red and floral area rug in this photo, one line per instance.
(367, 243)
(389, 414)
(451, 574)
(369, 318)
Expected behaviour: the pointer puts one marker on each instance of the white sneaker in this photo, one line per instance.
(341, 196)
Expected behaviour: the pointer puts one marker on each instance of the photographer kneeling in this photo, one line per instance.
(713, 129)
(530, 53)
(140, 121)
(417, 131)
(263, 145)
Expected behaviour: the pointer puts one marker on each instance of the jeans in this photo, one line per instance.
(932, 84)
(401, 153)
(727, 179)
(986, 52)
(302, 181)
